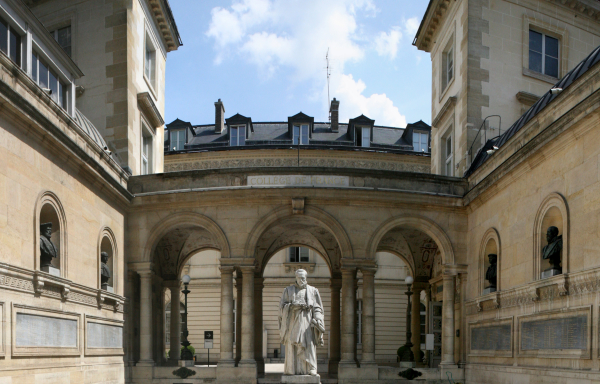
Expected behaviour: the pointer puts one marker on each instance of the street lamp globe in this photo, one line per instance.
(186, 279)
(409, 280)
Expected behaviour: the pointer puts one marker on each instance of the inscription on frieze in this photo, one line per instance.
(564, 333)
(45, 331)
(492, 338)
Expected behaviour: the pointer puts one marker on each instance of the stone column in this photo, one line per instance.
(226, 358)
(463, 318)
(146, 318)
(348, 343)
(334, 326)
(368, 317)
(248, 317)
(174, 347)
(238, 318)
(258, 324)
(448, 321)
(415, 325)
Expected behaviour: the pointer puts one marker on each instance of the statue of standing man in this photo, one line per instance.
(301, 326)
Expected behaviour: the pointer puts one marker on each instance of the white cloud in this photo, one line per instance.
(412, 26)
(376, 106)
(386, 44)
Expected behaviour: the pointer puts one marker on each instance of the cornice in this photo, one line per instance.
(436, 10)
(150, 110)
(448, 105)
(163, 18)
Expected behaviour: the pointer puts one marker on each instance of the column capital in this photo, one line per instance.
(248, 269)
(348, 271)
(227, 269)
(335, 283)
(368, 271)
(146, 274)
(454, 269)
(140, 266)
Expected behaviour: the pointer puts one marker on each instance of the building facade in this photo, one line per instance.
(122, 209)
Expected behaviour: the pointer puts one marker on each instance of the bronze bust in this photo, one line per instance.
(104, 271)
(47, 249)
(552, 251)
(491, 274)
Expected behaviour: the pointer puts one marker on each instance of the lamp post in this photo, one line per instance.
(407, 354)
(186, 354)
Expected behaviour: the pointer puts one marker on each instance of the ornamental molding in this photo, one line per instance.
(293, 162)
(42, 284)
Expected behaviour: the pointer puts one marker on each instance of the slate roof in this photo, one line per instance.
(546, 99)
(276, 134)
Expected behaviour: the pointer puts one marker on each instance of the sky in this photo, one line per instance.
(266, 59)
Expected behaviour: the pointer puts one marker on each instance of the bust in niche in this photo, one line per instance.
(491, 275)
(552, 251)
(104, 271)
(47, 249)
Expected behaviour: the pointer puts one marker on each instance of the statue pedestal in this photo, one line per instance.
(550, 272)
(301, 379)
(408, 364)
(51, 270)
(186, 363)
(489, 290)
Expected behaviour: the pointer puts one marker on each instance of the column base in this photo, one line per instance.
(300, 379)
(247, 363)
(145, 363)
(333, 366)
(226, 363)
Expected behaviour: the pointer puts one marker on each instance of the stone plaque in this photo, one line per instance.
(492, 338)
(562, 333)
(104, 336)
(298, 181)
(45, 331)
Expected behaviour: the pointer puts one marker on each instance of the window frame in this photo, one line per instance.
(237, 129)
(54, 34)
(359, 139)
(445, 64)
(295, 255)
(150, 47)
(16, 31)
(176, 131)
(62, 96)
(543, 53)
(421, 134)
(560, 32)
(448, 159)
(148, 158)
(299, 138)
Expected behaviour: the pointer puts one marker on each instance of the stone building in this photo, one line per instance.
(236, 204)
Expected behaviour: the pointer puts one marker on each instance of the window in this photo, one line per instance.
(359, 322)
(149, 62)
(237, 136)
(448, 154)
(63, 37)
(46, 78)
(543, 53)
(178, 140)
(147, 167)
(300, 134)
(420, 142)
(299, 255)
(10, 42)
(363, 137)
(447, 64)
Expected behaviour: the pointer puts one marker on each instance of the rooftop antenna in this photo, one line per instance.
(328, 75)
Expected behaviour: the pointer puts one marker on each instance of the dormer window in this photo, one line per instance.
(420, 142)
(237, 135)
(178, 140)
(363, 137)
(300, 136)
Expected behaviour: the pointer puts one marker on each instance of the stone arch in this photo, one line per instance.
(185, 219)
(107, 233)
(490, 234)
(558, 201)
(312, 214)
(408, 261)
(420, 223)
(51, 199)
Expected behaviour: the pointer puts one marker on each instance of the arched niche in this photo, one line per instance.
(553, 212)
(490, 244)
(48, 209)
(107, 243)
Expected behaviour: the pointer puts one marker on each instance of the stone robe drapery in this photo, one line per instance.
(301, 327)
(47, 252)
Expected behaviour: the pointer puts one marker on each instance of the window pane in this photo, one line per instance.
(424, 140)
(448, 147)
(535, 41)
(535, 61)
(43, 73)
(63, 37)
(3, 36)
(551, 66)
(64, 96)
(34, 67)
(181, 141)
(15, 47)
(303, 254)
(551, 46)
(54, 86)
(304, 135)
(296, 134)
(449, 168)
(366, 137)
(241, 135)
(416, 142)
(233, 137)
(59, 94)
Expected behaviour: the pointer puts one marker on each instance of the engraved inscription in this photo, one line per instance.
(565, 333)
(45, 331)
(493, 338)
(104, 336)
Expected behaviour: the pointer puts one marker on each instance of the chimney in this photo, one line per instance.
(219, 117)
(335, 115)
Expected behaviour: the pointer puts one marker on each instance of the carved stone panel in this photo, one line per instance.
(103, 336)
(491, 337)
(556, 334)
